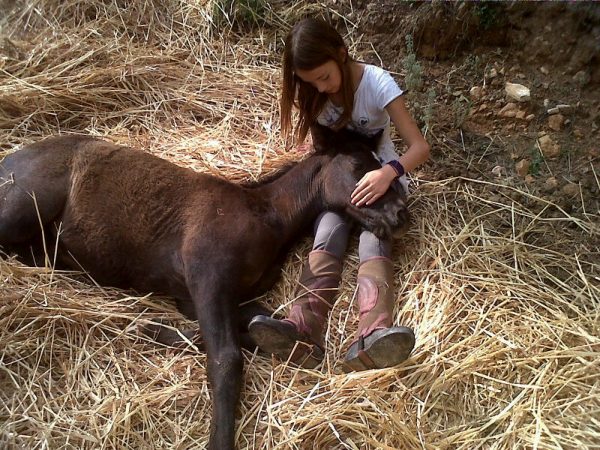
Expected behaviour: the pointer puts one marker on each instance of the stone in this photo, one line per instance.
(520, 115)
(556, 122)
(476, 92)
(522, 167)
(551, 184)
(517, 92)
(564, 109)
(570, 189)
(530, 117)
(509, 110)
(581, 78)
(549, 148)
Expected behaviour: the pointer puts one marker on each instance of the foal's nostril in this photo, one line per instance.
(402, 213)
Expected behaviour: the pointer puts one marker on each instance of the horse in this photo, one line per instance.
(134, 220)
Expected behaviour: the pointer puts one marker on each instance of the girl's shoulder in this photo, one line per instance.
(375, 72)
(379, 84)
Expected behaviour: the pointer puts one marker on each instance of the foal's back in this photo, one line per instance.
(120, 213)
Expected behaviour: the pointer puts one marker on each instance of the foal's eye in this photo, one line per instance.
(359, 166)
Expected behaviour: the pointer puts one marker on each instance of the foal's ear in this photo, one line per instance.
(322, 137)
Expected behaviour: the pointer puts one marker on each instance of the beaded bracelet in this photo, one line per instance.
(398, 167)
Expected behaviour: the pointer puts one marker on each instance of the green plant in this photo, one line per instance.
(239, 12)
(488, 14)
(414, 71)
(536, 161)
(428, 111)
(460, 110)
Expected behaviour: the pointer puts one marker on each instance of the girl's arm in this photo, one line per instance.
(375, 183)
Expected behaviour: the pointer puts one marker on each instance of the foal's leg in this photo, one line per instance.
(33, 192)
(214, 297)
(162, 333)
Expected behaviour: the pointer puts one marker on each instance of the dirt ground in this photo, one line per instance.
(467, 53)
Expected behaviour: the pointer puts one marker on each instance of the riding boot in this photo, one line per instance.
(300, 337)
(378, 344)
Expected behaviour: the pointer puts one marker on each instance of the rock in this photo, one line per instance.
(564, 109)
(530, 117)
(498, 171)
(517, 92)
(520, 115)
(570, 189)
(581, 78)
(522, 167)
(556, 122)
(554, 110)
(476, 92)
(544, 70)
(546, 102)
(551, 184)
(529, 179)
(509, 110)
(493, 73)
(549, 148)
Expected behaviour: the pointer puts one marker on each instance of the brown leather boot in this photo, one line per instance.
(300, 337)
(377, 344)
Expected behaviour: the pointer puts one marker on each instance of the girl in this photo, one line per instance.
(329, 87)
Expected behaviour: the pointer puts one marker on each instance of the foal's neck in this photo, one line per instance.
(296, 198)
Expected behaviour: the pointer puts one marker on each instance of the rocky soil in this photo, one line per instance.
(464, 65)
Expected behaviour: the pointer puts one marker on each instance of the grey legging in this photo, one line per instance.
(331, 235)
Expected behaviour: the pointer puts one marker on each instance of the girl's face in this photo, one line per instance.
(326, 78)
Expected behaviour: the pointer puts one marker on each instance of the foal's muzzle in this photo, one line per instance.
(388, 218)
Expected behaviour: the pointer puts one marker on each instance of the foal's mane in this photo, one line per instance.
(273, 176)
(325, 142)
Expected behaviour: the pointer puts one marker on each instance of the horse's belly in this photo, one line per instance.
(112, 260)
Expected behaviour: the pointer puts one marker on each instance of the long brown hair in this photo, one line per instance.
(311, 43)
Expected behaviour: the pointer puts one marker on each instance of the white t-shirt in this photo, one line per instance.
(375, 91)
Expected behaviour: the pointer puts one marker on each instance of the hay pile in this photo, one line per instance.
(502, 290)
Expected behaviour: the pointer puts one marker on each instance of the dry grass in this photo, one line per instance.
(503, 294)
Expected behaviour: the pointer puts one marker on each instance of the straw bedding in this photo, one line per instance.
(501, 287)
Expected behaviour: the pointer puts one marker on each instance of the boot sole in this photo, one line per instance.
(386, 348)
(285, 344)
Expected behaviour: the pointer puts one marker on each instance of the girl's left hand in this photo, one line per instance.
(372, 186)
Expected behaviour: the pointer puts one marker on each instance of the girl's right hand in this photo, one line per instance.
(372, 186)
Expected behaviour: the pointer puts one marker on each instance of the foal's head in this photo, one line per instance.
(352, 157)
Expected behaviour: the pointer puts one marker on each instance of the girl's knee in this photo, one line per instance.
(371, 246)
(331, 234)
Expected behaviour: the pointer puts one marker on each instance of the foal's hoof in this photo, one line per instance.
(382, 348)
(281, 338)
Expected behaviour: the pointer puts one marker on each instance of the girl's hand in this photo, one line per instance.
(372, 186)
